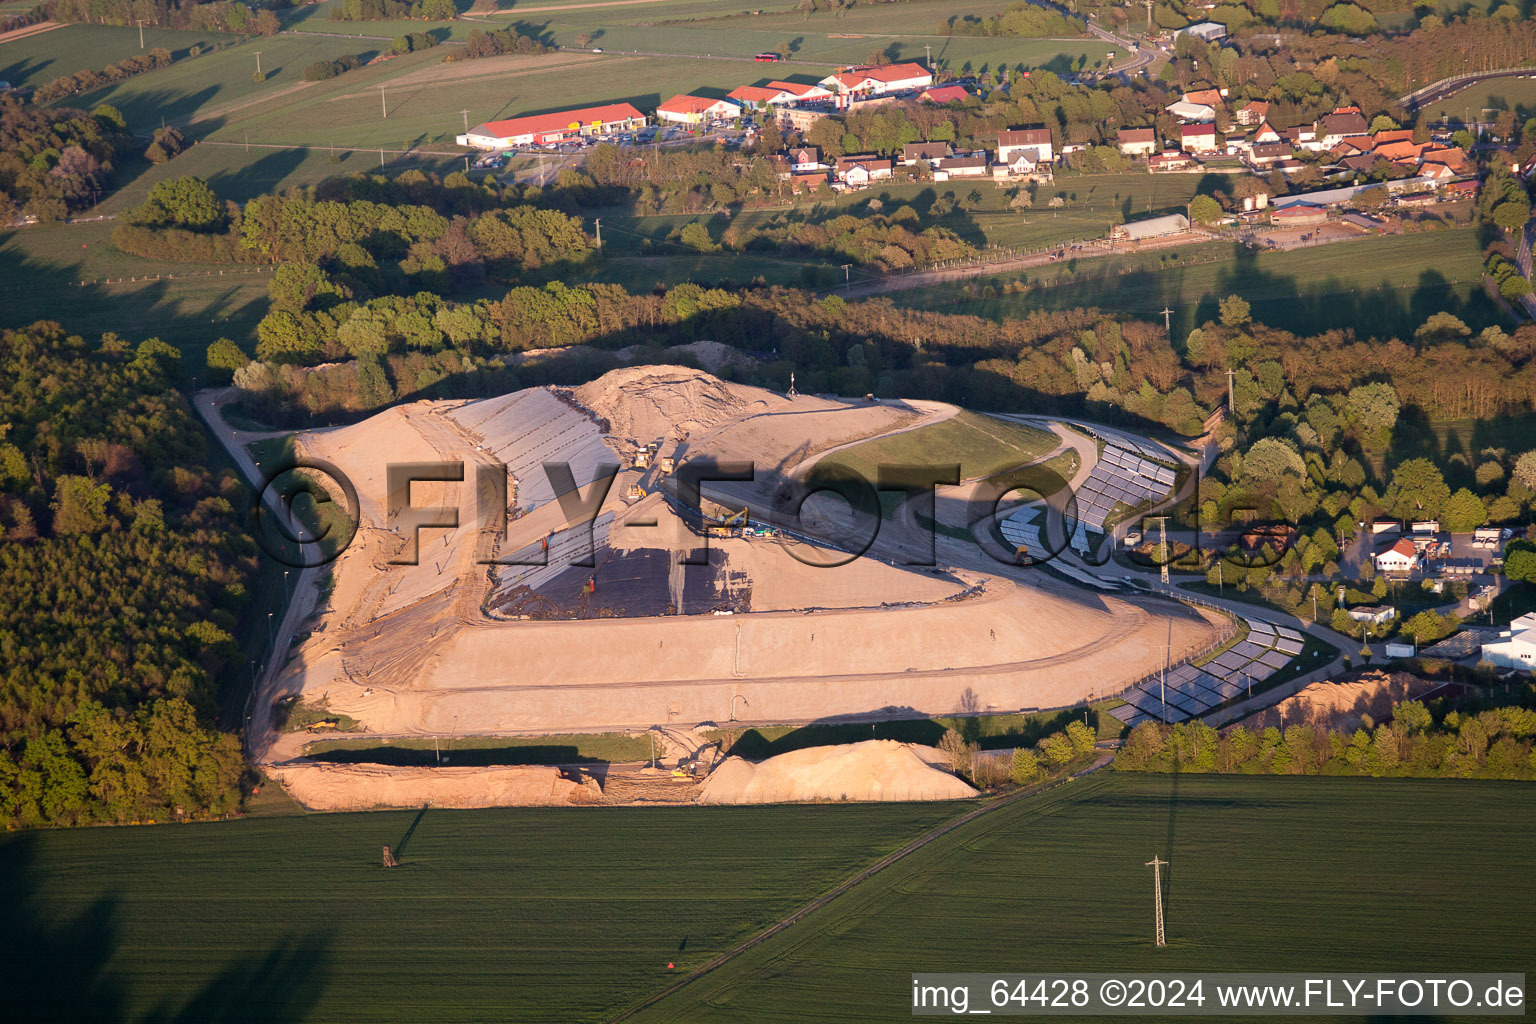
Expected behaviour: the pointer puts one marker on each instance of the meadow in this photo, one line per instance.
(1268, 874)
(568, 915)
(63, 51)
(1380, 287)
(981, 445)
(535, 914)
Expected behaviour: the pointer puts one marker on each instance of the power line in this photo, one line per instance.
(1157, 864)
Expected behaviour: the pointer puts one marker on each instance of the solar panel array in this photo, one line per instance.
(1120, 477)
(1022, 529)
(1192, 691)
(1140, 445)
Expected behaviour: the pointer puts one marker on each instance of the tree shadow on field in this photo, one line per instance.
(64, 961)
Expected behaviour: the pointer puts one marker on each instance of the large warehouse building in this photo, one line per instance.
(543, 129)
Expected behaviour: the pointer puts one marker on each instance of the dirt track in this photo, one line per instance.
(30, 30)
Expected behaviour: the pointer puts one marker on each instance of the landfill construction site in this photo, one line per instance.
(650, 610)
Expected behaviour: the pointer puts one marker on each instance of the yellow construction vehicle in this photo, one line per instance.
(643, 459)
(667, 464)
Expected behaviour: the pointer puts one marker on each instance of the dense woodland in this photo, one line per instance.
(55, 161)
(1418, 742)
(124, 567)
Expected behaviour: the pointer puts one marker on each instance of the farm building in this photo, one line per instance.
(1137, 141)
(1032, 142)
(1210, 31)
(1400, 557)
(1516, 646)
(545, 129)
(685, 109)
(1152, 227)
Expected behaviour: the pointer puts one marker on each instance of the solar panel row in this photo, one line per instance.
(1185, 691)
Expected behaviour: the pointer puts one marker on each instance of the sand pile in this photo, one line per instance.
(646, 402)
(711, 355)
(1340, 704)
(355, 787)
(871, 770)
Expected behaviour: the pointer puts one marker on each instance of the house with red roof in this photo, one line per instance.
(686, 109)
(944, 94)
(548, 129)
(1137, 141)
(1400, 557)
(1255, 112)
(1265, 134)
(804, 93)
(1198, 138)
(1032, 142)
(753, 95)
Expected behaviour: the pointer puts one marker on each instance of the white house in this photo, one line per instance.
(805, 159)
(969, 165)
(1032, 142)
(1400, 557)
(1516, 646)
(1375, 614)
(1198, 138)
(1137, 141)
(685, 109)
(804, 93)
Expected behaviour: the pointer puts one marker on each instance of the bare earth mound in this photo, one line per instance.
(871, 770)
(645, 402)
(356, 787)
(1340, 704)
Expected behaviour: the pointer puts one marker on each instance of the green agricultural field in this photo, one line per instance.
(1377, 286)
(1484, 100)
(184, 304)
(1267, 874)
(532, 915)
(982, 445)
(1093, 203)
(63, 51)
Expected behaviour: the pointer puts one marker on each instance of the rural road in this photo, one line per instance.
(258, 710)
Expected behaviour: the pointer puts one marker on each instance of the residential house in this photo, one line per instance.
(1021, 167)
(1516, 646)
(808, 182)
(1301, 137)
(686, 109)
(944, 94)
(968, 165)
(1400, 557)
(1255, 112)
(1171, 161)
(1205, 97)
(1263, 156)
(1266, 134)
(1137, 141)
(858, 171)
(1333, 128)
(803, 159)
(1198, 138)
(1035, 142)
(932, 152)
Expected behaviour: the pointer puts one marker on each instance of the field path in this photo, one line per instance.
(520, 9)
(30, 30)
(1100, 760)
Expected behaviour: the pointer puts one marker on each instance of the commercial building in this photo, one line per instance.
(547, 129)
(685, 109)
